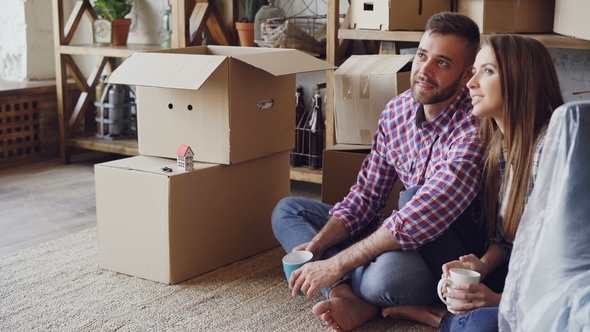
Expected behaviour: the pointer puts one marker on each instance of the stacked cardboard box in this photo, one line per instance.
(571, 18)
(363, 85)
(509, 16)
(394, 14)
(234, 108)
(492, 16)
(341, 167)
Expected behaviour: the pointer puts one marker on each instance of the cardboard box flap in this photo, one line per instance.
(377, 64)
(286, 62)
(165, 70)
(152, 165)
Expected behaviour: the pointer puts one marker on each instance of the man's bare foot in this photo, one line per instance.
(430, 315)
(344, 311)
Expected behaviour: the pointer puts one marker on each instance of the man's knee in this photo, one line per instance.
(285, 207)
(395, 278)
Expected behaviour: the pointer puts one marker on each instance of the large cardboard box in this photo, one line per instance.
(394, 14)
(229, 104)
(342, 164)
(509, 16)
(363, 85)
(172, 226)
(571, 18)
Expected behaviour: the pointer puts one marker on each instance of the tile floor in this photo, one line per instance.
(44, 201)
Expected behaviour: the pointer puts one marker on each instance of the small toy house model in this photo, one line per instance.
(184, 157)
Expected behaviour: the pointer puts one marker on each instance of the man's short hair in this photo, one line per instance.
(448, 23)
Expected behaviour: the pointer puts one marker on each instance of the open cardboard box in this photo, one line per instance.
(229, 104)
(172, 226)
(363, 85)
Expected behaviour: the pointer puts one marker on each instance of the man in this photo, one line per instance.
(428, 138)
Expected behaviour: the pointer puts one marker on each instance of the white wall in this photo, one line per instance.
(13, 41)
(573, 70)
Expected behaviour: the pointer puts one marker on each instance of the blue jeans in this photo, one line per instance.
(393, 278)
(478, 320)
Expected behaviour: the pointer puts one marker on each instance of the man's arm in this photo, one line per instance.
(315, 275)
(330, 235)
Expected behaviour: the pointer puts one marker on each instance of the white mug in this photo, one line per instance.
(457, 276)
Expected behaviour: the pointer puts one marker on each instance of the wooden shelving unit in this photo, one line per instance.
(306, 175)
(549, 40)
(336, 35)
(70, 118)
(190, 18)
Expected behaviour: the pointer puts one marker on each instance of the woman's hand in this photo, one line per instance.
(479, 296)
(470, 262)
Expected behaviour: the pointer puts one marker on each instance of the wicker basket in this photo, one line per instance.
(305, 34)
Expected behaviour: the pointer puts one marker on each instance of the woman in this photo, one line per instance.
(515, 89)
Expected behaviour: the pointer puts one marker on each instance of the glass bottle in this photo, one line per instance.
(297, 155)
(317, 134)
(166, 29)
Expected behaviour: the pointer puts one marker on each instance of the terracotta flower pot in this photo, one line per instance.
(121, 31)
(246, 33)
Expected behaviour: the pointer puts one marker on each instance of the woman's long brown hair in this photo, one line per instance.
(530, 93)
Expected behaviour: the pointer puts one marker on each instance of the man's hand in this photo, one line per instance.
(322, 273)
(314, 247)
(315, 275)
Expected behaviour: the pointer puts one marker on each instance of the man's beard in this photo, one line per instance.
(436, 95)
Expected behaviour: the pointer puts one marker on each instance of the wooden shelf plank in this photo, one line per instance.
(306, 175)
(107, 51)
(357, 34)
(126, 147)
(549, 40)
(560, 41)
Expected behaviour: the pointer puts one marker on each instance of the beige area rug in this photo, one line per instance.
(57, 286)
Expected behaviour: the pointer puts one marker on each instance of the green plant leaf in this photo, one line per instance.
(251, 7)
(112, 9)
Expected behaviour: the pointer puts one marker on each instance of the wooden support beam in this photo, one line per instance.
(78, 113)
(204, 14)
(197, 22)
(217, 27)
(80, 8)
(76, 73)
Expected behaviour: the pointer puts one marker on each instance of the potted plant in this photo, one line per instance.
(245, 26)
(115, 11)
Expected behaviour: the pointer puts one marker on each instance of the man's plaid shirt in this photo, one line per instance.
(443, 155)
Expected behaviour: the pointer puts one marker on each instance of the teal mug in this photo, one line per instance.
(295, 260)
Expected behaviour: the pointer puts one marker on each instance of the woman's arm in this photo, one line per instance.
(488, 262)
